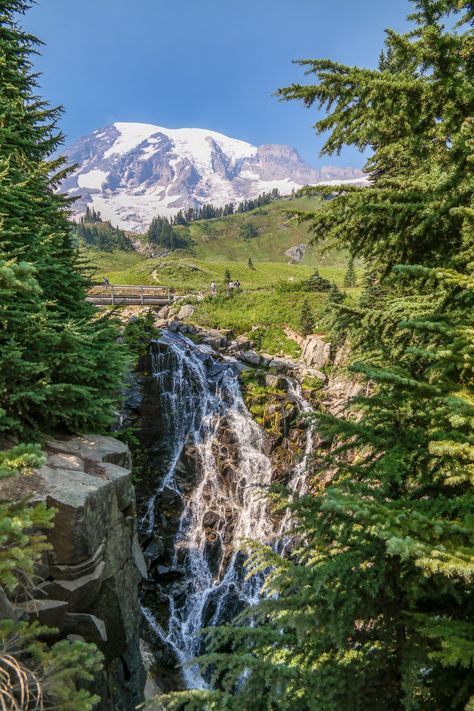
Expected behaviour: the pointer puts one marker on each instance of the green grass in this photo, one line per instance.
(265, 305)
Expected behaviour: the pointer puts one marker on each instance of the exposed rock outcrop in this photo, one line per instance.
(91, 574)
(316, 351)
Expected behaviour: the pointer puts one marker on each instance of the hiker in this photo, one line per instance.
(237, 285)
(230, 287)
(213, 289)
(105, 282)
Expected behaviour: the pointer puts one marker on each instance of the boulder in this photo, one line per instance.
(89, 627)
(51, 613)
(186, 311)
(251, 357)
(316, 352)
(278, 382)
(164, 312)
(280, 365)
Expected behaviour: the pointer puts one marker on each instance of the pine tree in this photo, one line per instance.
(59, 365)
(350, 279)
(374, 607)
(306, 318)
(318, 283)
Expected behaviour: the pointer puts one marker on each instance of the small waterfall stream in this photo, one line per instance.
(222, 492)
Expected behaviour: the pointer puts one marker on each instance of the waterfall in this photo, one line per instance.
(203, 413)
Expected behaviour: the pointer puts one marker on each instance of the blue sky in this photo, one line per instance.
(210, 64)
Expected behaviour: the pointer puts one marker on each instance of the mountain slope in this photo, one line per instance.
(131, 172)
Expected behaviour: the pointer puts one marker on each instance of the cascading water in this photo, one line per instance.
(203, 413)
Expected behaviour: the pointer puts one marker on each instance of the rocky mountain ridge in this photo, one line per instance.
(131, 172)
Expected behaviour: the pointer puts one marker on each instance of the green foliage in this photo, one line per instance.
(101, 235)
(374, 608)
(248, 230)
(227, 276)
(138, 333)
(59, 365)
(318, 283)
(350, 277)
(306, 319)
(162, 233)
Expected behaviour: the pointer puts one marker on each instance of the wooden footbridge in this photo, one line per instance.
(125, 295)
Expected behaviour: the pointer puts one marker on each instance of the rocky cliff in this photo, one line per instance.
(90, 577)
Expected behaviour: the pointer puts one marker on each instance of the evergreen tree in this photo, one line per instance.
(227, 276)
(335, 295)
(350, 279)
(306, 318)
(250, 263)
(318, 283)
(59, 365)
(374, 606)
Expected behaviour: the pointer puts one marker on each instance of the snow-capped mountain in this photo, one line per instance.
(131, 172)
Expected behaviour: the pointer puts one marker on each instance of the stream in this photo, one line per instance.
(209, 496)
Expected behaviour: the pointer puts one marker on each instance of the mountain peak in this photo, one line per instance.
(131, 172)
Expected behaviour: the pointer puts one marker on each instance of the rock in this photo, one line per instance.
(186, 311)
(280, 365)
(164, 312)
(95, 558)
(188, 468)
(241, 343)
(66, 461)
(154, 550)
(306, 373)
(89, 627)
(210, 519)
(139, 559)
(251, 357)
(316, 351)
(296, 253)
(51, 613)
(174, 325)
(278, 382)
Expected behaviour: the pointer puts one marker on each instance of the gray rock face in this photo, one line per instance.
(316, 351)
(296, 253)
(91, 576)
(186, 311)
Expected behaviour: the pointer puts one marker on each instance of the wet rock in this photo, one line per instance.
(210, 519)
(154, 551)
(188, 469)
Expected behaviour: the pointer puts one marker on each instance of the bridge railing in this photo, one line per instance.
(117, 293)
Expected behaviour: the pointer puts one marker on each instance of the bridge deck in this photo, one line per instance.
(136, 295)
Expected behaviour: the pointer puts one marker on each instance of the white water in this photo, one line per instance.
(203, 406)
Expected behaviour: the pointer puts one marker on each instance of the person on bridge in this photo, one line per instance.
(105, 282)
